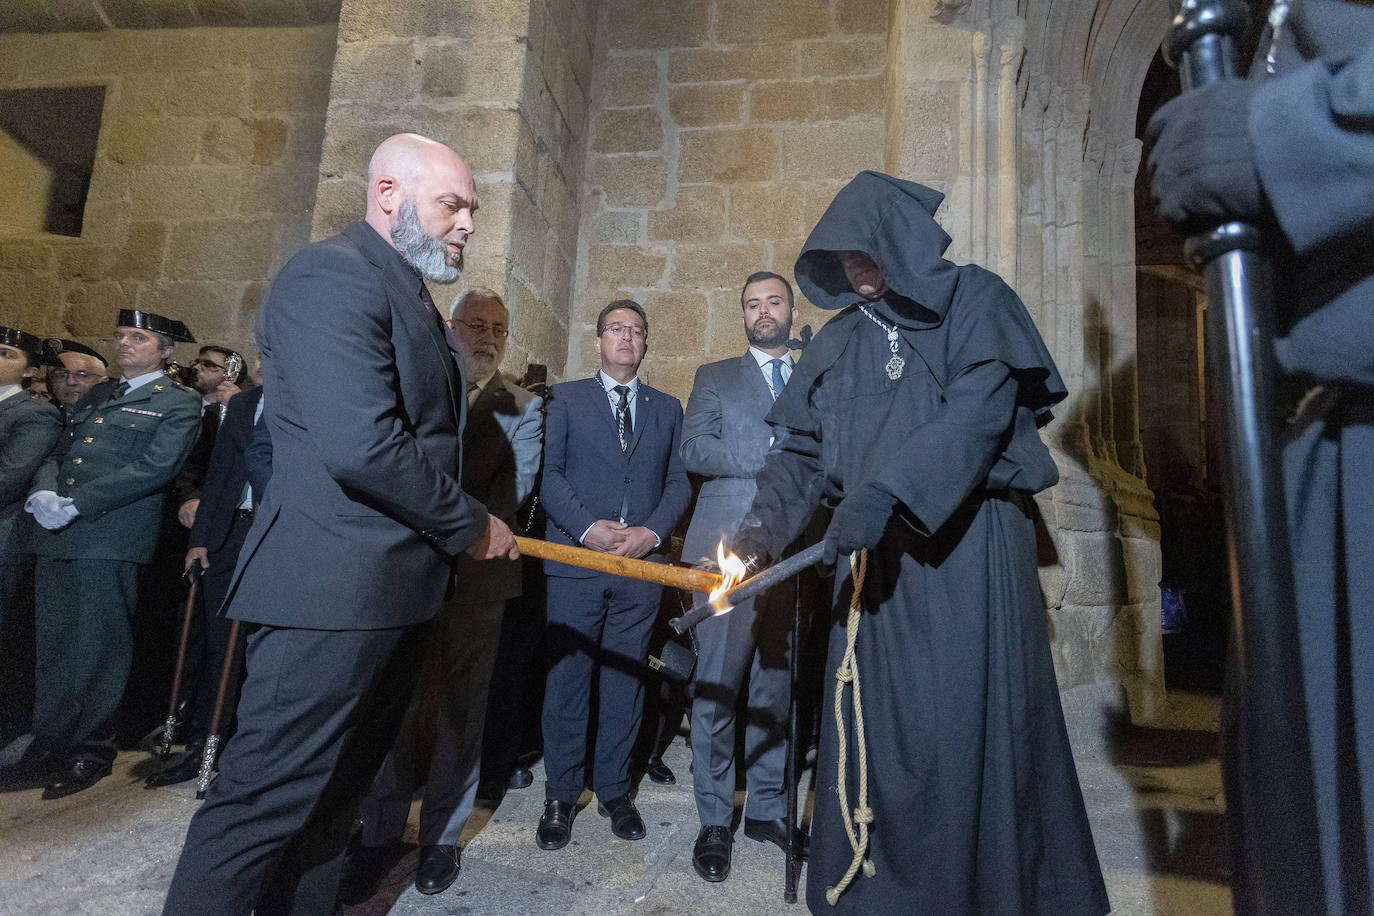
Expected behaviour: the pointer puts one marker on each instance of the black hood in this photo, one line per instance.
(893, 222)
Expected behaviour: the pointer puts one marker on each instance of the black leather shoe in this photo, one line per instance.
(659, 772)
(438, 869)
(775, 832)
(711, 854)
(34, 769)
(555, 827)
(625, 820)
(76, 777)
(184, 770)
(522, 778)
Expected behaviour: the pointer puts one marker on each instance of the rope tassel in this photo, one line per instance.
(858, 819)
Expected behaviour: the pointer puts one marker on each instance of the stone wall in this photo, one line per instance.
(203, 184)
(721, 130)
(504, 83)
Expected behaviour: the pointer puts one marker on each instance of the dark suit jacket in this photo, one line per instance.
(226, 475)
(28, 431)
(191, 478)
(115, 464)
(587, 477)
(364, 509)
(724, 439)
(501, 449)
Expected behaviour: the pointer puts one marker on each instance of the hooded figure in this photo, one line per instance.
(915, 412)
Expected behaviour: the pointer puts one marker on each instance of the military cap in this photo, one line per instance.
(56, 346)
(22, 340)
(148, 321)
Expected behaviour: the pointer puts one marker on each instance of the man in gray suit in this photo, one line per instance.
(501, 449)
(725, 439)
(350, 549)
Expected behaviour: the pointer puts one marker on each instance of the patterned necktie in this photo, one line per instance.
(624, 423)
(777, 377)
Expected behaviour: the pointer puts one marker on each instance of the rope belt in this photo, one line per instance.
(856, 820)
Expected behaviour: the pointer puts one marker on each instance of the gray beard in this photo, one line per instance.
(427, 256)
(476, 368)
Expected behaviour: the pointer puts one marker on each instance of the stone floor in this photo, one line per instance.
(1153, 795)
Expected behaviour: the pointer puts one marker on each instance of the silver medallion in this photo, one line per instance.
(895, 365)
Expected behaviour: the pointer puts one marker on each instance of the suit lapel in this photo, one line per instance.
(758, 389)
(645, 411)
(404, 285)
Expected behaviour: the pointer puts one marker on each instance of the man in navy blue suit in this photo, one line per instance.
(613, 481)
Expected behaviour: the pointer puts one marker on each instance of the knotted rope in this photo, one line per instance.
(848, 673)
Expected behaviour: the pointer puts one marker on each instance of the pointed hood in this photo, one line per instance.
(893, 222)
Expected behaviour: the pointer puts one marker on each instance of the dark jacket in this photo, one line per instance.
(587, 477)
(222, 486)
(115, 464)
(28, 431)
(365, 410)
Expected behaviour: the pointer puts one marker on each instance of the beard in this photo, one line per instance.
(477, 367)
(774, 334)
(428, 256)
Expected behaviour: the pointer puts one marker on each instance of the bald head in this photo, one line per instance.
(421, 198)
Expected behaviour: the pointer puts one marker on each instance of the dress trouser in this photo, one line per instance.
(84, 648)
(317, 715)
(599, 628)
(450, 703)
(752, 639)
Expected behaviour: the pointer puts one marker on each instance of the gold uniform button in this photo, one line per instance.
(76, 461)
(89, 439)
(100, 419)
(70, 481)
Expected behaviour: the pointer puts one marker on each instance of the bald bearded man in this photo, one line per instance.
(350, 551)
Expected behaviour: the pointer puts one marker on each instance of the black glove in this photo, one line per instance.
(858, 521)
(1202, 168)
(748, 542)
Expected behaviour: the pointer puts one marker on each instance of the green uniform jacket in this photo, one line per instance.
(114, 464)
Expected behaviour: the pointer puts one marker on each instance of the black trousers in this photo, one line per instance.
(318, 712)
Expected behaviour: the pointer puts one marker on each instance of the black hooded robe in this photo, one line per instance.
(976, 802)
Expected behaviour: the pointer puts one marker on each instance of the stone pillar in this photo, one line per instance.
(505, 83)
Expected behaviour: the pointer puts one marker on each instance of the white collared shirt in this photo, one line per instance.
(476, 392)
(765, 361)
(9, 391)
(609, 384)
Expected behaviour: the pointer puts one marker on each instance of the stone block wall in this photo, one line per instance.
(504, 82)
(203, 184)
(720, 131)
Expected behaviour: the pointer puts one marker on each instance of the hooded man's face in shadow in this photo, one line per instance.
(863, 274)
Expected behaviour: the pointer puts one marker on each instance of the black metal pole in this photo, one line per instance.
(1275, 859)
(790, 770)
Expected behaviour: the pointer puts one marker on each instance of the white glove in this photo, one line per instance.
(50, 510)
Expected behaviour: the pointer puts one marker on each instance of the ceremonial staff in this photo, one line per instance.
(169, 724)
(1277, 864)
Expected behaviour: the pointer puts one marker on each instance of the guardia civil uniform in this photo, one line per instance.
(119, 452)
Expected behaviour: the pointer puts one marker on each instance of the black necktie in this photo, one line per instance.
(210, 416)
(119, 391)
(623, 421)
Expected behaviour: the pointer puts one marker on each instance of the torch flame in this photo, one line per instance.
(731, 573)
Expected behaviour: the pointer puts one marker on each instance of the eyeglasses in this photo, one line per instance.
(207, 364)
(76, 375)
(638, 332)
(481, 327)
